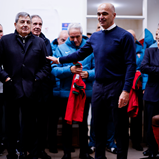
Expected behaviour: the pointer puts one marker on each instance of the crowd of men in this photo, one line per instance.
(43, 80)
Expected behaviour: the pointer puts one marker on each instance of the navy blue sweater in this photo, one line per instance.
(114, 53)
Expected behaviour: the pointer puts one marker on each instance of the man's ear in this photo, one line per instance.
(15, 24)
(114, 15)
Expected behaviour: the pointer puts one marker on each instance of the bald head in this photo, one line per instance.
(133, 33)
(106, 15)
(62, 37)
(107, 5)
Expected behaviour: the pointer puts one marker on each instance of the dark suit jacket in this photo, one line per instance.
(23, 64)
(150, 66)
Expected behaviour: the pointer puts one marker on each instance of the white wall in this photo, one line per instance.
(53, 13)
(56, 12)
(136, 25)
(153, 15)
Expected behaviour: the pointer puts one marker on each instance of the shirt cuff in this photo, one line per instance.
(58, 60)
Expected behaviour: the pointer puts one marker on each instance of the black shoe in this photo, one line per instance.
(43, 155)
(137, 147)
(85, 156)
(53, 150)
(112, 150)
(153, 155)
(2, 149)
(146, 153)
(31, 157)
(23, 156)
(72, 149)
(66, 156)
(12, 156)
(91, 150)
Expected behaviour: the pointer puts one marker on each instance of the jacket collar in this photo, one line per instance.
(72, 44)
(17, 34)
(42, 36)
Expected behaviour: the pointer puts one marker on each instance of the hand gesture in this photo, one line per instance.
(53, 59)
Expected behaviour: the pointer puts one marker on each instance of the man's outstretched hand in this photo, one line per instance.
(53, 59)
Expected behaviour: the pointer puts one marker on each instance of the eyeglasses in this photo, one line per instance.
(1, 31)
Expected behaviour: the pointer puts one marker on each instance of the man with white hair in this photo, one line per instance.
(63, 35)
(65, 73)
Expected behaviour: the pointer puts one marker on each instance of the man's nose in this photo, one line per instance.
(101, 16)
(38, 25)
(75, 39)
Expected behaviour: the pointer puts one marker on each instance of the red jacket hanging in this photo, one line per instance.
(133, 106)
(76, 100)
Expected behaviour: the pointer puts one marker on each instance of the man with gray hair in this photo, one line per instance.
(47, 86)
(1, 31)
(1, 108)
(65, 73)
(24, 68)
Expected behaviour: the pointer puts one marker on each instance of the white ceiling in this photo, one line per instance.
(122, 7)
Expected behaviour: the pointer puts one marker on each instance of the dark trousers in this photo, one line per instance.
(136, 122)
(53, 122)
(26, 124)
(152, 108)
(83, 131)
(42, 124)
(104, 102)
(110, 143)
(2, 131)
(44, 108)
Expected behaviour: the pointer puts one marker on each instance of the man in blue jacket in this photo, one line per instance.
(115, 66)
(63, 35)
(47, 86)
(24, 68)
(54, 116)
(65, 73)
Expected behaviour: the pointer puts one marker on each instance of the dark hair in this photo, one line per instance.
(89, 33)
